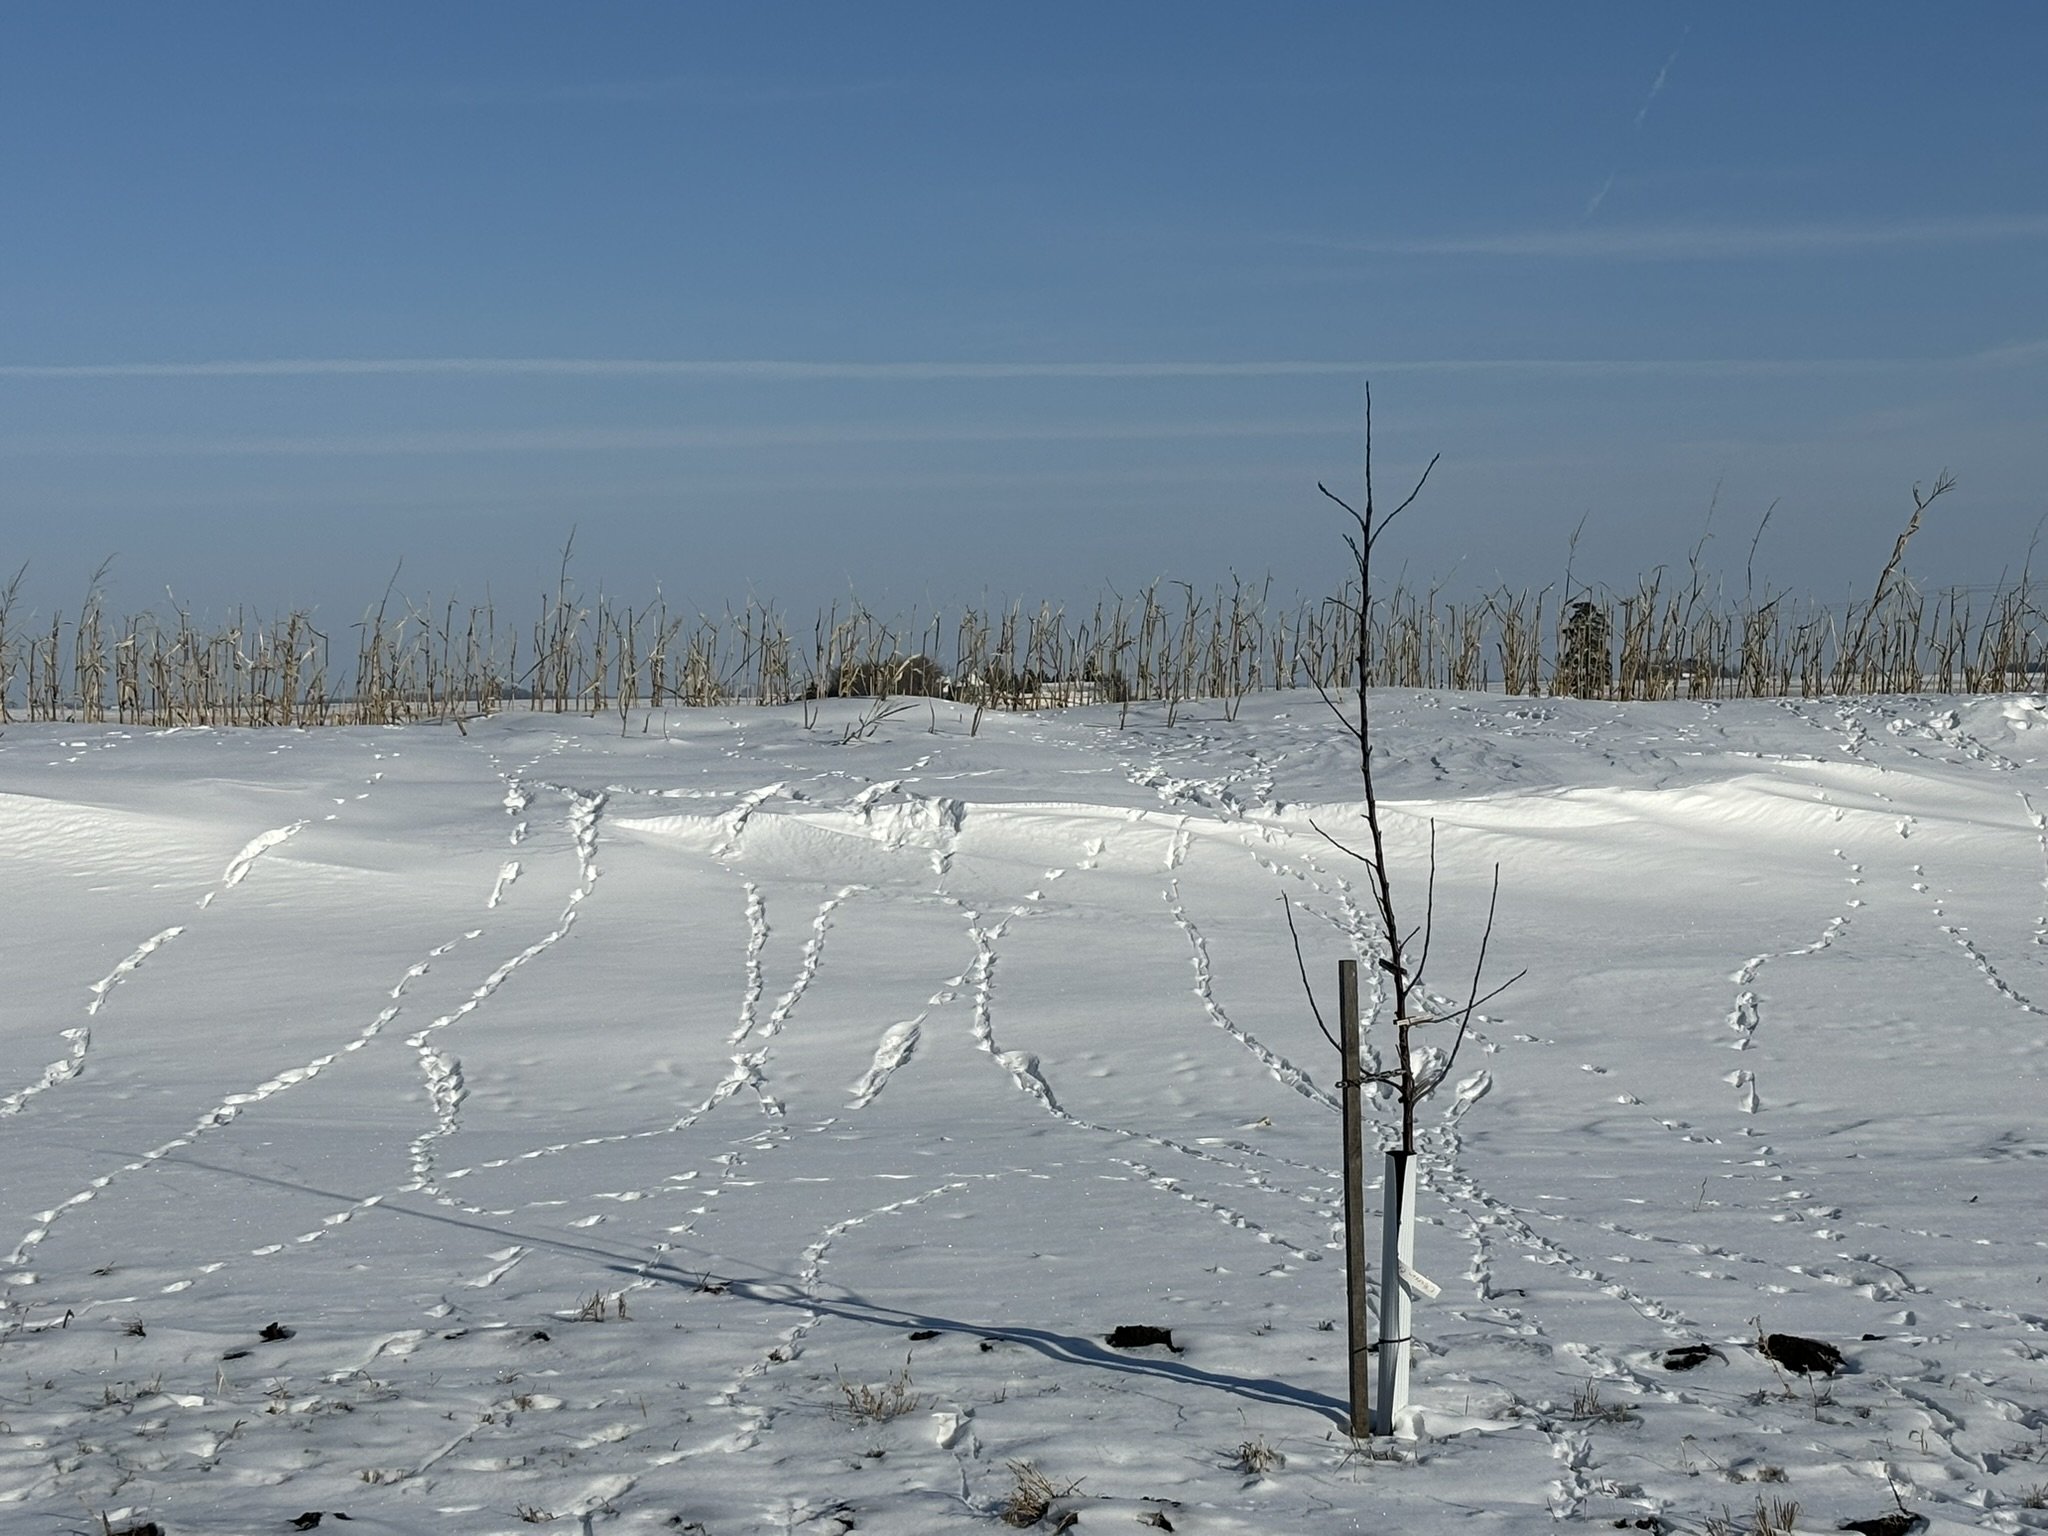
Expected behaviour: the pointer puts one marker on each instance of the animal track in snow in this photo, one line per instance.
(931, 822)
(72, 1062)
(121, 972)
(756, 1418)
(734, 822)
(748, 1067)
(1996, 982)
(813, 956)
(898, 1043)
(443, 1072)
(240, 865)
(1283, 1070)
(757, 940)
(1441, 1170)
(1177, 849)
(1223, 1213)
(1028, 1075)
(507, 873)
(1745, 1019)
(743, 1072)
(61, 1070)
(226, 1112)
(1756, 963)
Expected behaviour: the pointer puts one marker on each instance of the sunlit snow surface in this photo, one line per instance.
(778, 1049)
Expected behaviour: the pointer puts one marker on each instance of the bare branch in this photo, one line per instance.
(1364, 528)
(1474, 1000)
(1486, 997)
(1364, 859)
(1406, 502)
(1428, 907)
(1287, 907)
(1337, 710)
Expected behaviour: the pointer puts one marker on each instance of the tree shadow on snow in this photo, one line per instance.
(1066, 1348)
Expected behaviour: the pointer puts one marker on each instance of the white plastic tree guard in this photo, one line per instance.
(1398, 1283)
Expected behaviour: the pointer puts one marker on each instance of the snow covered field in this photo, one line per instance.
(726, 1128)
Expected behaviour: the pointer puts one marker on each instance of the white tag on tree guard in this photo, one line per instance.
(1420, 1284)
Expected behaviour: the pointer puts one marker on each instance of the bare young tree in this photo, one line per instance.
(1404, 960)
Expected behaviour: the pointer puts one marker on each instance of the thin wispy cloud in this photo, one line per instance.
(770, 370)
(2016, 353)
(663, 484)
(678, 91)
(717, 92)
(630, 439)
(626, 91)
(1710, 242)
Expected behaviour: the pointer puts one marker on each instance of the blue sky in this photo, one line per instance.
(937, 301)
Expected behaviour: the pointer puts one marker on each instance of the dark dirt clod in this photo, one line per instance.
(1809, 1357)
(922, 1334)
(307, 1521)
(273, 1332)
(1686, 1357)
(1140, 1336)
(1903, 1523)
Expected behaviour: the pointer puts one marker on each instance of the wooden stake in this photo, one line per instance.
(1354, 1196)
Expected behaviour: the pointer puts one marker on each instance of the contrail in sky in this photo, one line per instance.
(1657, 85)
(1642, 112)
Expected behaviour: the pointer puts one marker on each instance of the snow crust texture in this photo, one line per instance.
(727, 1126)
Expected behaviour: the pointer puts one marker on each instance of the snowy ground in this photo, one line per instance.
(838, 1079)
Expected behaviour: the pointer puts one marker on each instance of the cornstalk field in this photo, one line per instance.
(1169, 644)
